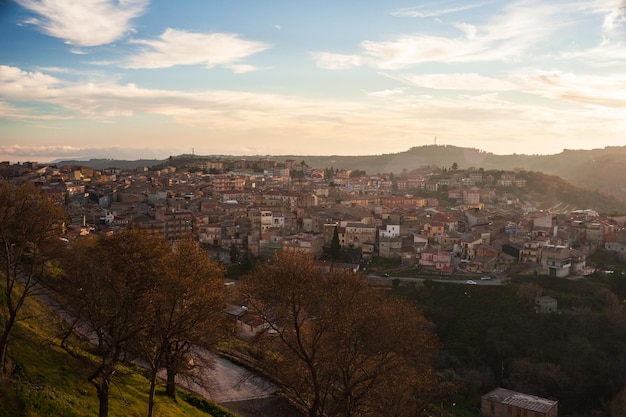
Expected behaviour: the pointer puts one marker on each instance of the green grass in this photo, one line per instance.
(48, 381)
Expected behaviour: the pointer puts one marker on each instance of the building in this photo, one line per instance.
(506, 403)
(545, 304)
(556, 260)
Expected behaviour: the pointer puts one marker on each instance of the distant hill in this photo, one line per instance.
(109, 163)
(597, 169)
(603, 169)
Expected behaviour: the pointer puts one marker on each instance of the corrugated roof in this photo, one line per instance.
(521, 400)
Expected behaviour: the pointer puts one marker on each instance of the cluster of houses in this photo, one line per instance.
(263, 206)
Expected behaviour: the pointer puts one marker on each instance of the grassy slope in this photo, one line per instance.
(47, 381)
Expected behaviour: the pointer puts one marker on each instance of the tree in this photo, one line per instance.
(335, 343)
(186, 312)
(109, 282)
(30, 232)
(233, 251)
(528, 291)
(455, 166)
(335, 246)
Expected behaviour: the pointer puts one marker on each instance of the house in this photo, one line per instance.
(437, 258)
(502, 402)
(557, 261)
(545, 304)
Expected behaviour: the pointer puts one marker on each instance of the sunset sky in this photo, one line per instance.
(147, 79)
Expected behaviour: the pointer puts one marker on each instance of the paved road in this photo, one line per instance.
(477, 280)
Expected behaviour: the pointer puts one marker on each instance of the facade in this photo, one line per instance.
(556, 259)
(506, 403)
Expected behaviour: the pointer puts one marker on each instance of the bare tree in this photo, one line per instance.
(109, 282)
(185, 313)
(335, 343)
(30, 232)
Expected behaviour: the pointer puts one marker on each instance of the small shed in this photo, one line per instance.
(545, 304)
(502, 402)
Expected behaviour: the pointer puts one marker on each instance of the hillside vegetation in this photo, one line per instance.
(548, 191)
(492, 337)
(51, 381)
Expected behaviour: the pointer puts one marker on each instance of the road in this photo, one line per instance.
(477, 280)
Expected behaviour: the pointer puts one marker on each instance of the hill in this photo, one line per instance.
(601, 170)
(597, 169)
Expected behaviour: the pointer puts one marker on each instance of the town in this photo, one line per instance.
(259, 206)
(431, 226)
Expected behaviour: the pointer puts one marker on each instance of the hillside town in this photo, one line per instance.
(260, 206)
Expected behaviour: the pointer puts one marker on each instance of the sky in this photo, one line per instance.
(134, 79)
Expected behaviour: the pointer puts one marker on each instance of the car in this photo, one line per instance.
(485, 278)
(385, 275)
(470, 282)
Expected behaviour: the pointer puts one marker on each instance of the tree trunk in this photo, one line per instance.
(103, 398)
(170, 387)
(153, 378)
(4, 340)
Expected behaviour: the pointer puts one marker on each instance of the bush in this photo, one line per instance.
(205, 405)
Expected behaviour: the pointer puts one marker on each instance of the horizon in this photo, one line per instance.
(97, 158)
(147, 79)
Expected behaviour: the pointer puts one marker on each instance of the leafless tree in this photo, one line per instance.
(185, 312)
(109, 281)
(30, 232)
(335, 344)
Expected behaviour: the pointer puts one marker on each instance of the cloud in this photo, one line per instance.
(459, 82)
(382, 120)
(48, 153)
(508, 37)
(605, 90)
(178, 47)
(85, 22)
(615, 16)
(23, 86)
(387, 92)
(431, 10)
(327, 60)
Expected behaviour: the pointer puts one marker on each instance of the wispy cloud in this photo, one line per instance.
(178, 47)
(614, 14)
(331, 61)
(85, 22)
(605, 91)
(245, 117)
(459, 82)
(435, 10)
(387, 92)
(510, 36)
(46, 153)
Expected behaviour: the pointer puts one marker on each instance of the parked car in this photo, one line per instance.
(470, 282)
(485, 278)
